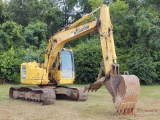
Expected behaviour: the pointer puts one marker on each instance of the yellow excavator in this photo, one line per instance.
(58, 68)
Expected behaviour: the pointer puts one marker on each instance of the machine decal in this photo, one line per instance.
(79, 31)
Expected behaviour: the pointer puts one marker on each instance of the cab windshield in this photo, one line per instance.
(66, 64)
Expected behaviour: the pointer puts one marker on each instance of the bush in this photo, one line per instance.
(87, 60)
(142, 66)
(10, 66)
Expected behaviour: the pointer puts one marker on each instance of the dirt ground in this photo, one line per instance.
(99, 106)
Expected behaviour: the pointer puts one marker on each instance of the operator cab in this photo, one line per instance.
(65, 73)
(67, 64)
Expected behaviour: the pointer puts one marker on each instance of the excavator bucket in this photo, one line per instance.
(125, 90)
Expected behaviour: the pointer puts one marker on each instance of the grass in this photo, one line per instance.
(98, 106)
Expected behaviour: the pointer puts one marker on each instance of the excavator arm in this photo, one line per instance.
(125, 89)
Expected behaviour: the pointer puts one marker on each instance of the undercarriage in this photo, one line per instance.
(48, 95)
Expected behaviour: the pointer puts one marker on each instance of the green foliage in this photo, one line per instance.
(35, 33)
(87, 60)
(123, 55)
(95, 3)
(11, 60)
(67, 6)
(32, 53)
(85, 6)
(118, 11)
(147, 27)
(10, 66)
(3, 39)
(24, 11)
(11, 35)
(142, 66)
(53, 18)
(3, 14)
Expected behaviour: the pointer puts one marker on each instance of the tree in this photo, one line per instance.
(142, 66)
(95, 3)
(86, 63)
(148, 31)
(24, 11)
(143, 30)
(3, 14)
(10, 66)
(73, 9)
(67, 7)
(11, 35)
(53, 17)
(118, 11)
(35, 34)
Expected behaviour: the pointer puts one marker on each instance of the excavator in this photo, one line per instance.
(58, 69)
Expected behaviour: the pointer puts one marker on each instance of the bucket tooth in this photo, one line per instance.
(125, 111)
(129, 110)
(118, 111)
(122, 111)
(132, 111)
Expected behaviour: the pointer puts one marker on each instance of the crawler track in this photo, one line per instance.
(45, 96)
(48, 95)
